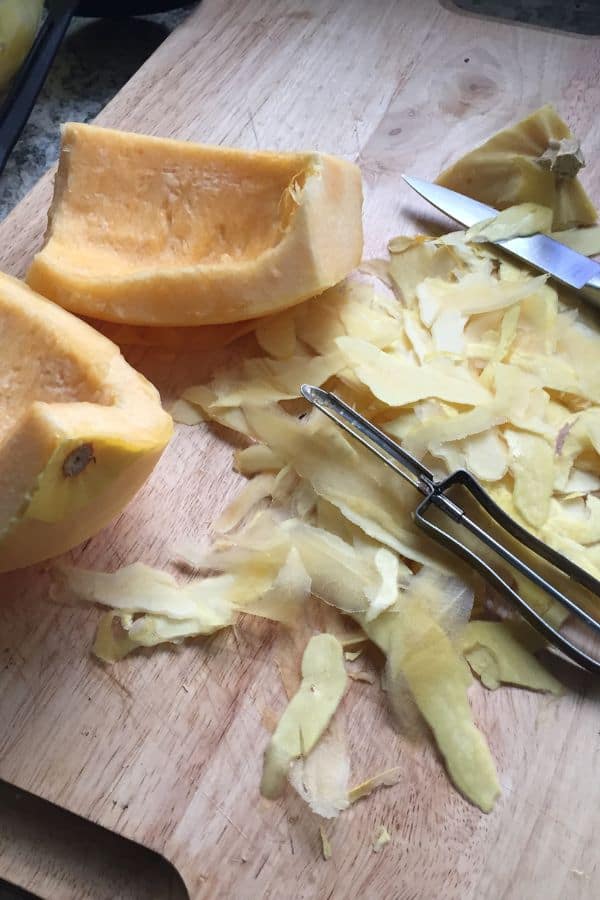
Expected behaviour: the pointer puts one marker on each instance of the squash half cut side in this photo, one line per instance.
(80, 430)
(151, 231)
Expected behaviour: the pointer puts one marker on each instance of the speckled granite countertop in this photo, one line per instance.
(96, 59)
(99, 56)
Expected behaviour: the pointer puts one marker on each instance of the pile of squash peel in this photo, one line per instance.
(469, 361)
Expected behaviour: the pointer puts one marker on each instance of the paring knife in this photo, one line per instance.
(539, 250)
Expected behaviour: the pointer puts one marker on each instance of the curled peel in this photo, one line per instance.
(495, 652)
(419, 652)
(308, 713)
(516, 221)
(438, 681)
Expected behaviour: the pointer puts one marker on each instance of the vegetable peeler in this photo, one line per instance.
(436, 497)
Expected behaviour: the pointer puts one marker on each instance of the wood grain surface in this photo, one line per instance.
(166, 747)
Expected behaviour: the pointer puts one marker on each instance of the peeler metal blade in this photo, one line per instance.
(435, 495)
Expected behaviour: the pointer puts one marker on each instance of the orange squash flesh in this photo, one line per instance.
(150, 231)
(80, 430)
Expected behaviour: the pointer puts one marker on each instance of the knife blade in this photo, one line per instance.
(539, 250)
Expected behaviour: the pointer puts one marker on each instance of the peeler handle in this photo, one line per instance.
(438, 499)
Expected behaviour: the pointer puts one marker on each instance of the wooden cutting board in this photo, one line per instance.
(166, 748)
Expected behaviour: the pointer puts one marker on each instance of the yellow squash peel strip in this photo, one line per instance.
(495, 652)
(308, 713)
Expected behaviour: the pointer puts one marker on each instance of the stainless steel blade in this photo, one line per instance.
(460, 208)
(538, 250)
(371, 437)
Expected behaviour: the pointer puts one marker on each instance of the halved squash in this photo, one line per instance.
(151, 231)
(534, 161)
(80, 430)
